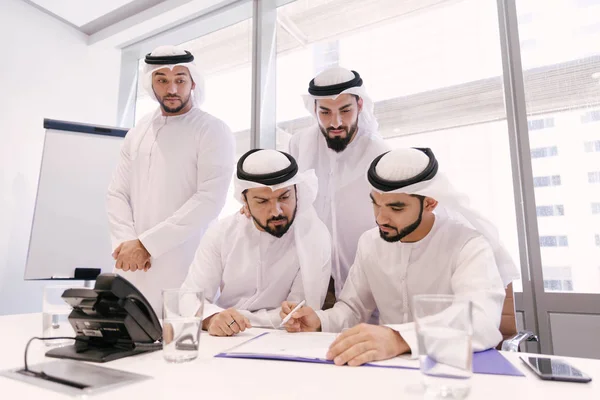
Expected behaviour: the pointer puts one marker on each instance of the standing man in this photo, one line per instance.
(339, 148)
(172, 180)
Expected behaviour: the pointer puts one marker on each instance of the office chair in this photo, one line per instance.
(512, 339)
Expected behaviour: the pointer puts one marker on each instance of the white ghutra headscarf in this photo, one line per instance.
(276, 170)
(170, 57)
(415, 171)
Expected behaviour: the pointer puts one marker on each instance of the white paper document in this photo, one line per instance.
(301, 347)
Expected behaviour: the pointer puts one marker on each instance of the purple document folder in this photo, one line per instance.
(485, 362)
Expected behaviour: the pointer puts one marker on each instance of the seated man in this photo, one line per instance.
(248, 266)
(414, 250)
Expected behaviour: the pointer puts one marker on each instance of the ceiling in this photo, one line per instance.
(80, 12)
(91, 16)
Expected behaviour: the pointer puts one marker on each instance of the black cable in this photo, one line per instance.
(42, 374)
(26, 369)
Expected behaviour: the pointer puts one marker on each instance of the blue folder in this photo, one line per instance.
(485, 362)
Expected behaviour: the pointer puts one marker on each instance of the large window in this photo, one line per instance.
(561, 84)
(434, 71)
(449, 77)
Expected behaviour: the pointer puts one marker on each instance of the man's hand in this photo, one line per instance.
(132, 256)
(168, 333)
(365, 343)
(303, 320)
(226, 323)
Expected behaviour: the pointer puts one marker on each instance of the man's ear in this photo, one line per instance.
(359, 102)
(429, 204)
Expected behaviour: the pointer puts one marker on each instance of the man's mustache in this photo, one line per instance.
(345, 128)
(389, 227)
(278, 218)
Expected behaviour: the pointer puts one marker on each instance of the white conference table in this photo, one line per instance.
(218, 378)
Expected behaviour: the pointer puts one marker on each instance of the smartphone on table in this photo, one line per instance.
(555, 369)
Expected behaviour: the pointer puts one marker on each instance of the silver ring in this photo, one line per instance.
(231, 323)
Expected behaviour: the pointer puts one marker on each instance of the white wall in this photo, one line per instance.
(47, 70)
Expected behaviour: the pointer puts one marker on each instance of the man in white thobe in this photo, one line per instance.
(172, 180)
(428, 241)
(246, 267)
(340, 148)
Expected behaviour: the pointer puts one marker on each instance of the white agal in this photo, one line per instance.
(451, 259)
(170, 184)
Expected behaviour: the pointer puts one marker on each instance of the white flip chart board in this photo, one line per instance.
(70, 225)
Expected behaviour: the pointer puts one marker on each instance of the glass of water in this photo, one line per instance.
(182, 324)
(55, 313)
(444, 329)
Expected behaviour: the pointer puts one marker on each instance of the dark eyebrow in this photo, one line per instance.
(396, 204)
(324, 108)
(177, 74)
(346, 106)
(265, 199)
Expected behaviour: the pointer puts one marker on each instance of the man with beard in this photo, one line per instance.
(247, 267)
(428, 241)
(339, 148)
(172, 179)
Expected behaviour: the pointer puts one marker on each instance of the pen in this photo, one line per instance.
(287, 317)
